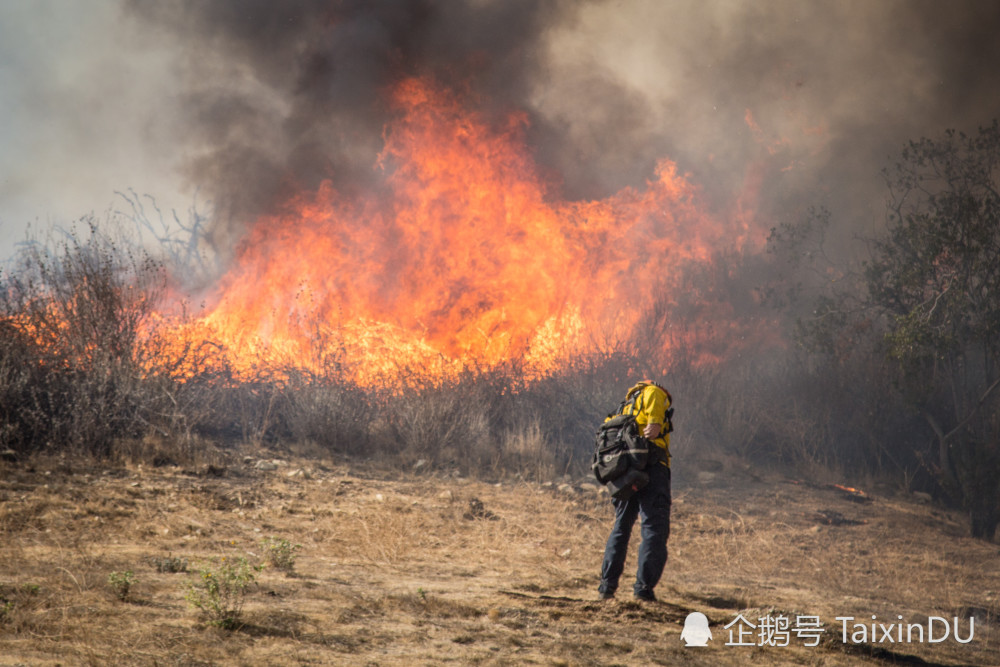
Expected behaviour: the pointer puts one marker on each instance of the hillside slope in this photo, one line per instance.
(405, 569)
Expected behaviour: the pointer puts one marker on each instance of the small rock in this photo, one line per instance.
(379, 498)
(279, 462)
(162, 461)
(711, 465)
(298, 473)
(587, 487)
(478, 511)
(265, 465)
(422, 463)
(566, 553)
(922, 497)
(566, 488)
(446, 495)
(196, 527)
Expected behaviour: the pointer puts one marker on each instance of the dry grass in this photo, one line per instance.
(404, 569)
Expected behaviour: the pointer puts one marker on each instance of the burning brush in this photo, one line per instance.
(850, 493)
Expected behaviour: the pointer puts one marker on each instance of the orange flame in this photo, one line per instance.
(464, 257)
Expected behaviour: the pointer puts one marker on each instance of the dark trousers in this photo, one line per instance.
(653, 505)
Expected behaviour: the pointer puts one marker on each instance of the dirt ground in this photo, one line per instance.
(425, 568)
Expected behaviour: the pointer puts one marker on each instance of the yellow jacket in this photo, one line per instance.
(651, 408)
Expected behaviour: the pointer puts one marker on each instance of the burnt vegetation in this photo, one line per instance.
(894, 373)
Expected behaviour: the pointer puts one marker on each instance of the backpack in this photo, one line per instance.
(618, 448)
(621, 454)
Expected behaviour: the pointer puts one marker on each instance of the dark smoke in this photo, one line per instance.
(279, 95)
(283, 95)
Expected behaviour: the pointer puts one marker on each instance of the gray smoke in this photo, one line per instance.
(281, 95)
(836, 89)
(255, 99)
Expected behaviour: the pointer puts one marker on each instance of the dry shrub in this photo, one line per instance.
(78, 369)
(444, 425)
(19, 602)
(723, 409)
(326, 410)
(818, 416)
(83, 368)
(82, 308)
(383, 534)
(528, 453)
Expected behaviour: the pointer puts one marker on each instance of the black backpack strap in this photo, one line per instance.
(636, 397)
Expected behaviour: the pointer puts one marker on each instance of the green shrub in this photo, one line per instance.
(220, 590)
(15, 597)
(279, 553)
(170, 564)
(121, 583)
(6, 608)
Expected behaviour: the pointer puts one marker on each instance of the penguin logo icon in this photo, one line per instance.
(696, 632)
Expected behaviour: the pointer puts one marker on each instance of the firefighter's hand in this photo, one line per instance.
(651, 431)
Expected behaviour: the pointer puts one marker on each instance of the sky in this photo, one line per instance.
(80, 102)
(216, 102)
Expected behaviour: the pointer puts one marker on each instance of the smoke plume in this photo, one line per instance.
(797, 103)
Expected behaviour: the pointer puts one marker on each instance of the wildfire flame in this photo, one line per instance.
(850, 489)
(463, 256)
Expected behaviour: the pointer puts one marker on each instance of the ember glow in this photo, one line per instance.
(463, 256)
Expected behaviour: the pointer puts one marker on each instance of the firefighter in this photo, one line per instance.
(652, 503)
